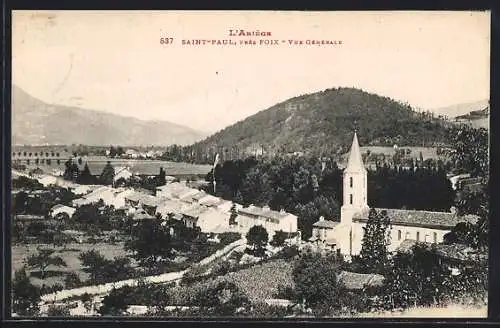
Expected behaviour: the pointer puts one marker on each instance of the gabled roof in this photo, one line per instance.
(194, 211)
(326, 224)
(210, 200)
(352, 280)
(263, 212)
(457, 252)
(55, 207)
(415, 218)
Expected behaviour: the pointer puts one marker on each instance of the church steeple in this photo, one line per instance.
(355, 163)
(355, 184)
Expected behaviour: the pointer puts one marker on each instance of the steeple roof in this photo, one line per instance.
(355, 163)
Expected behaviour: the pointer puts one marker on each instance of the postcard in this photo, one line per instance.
(250, 164)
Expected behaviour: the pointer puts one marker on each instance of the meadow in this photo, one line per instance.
(259, 282)
(141, 166)
(69, 253)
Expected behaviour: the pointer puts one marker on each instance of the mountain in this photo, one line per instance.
(461, 109)
(323, 122)
(35, 122)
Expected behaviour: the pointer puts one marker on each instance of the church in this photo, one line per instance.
(346, 235)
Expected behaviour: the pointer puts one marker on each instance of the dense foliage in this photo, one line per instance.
(321, 123)
(470, 150)
(374, 254)
(25, 296)
(310, 187)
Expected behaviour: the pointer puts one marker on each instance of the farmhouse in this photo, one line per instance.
(405, 224)
(48, 180)
(61, 210)
(122, 173)
(454, 256)
(271, 220)
(324, 232)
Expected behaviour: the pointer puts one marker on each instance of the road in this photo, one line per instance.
(98, 291)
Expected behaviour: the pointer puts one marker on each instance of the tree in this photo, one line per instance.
(279, 238)
(72, 280)
(86, 177)
(20, 202)
(25, 296)
(308, 214)
(374, 254)
(116, 302)
(221, 299)
(416, 278)
(233, 216)
(316, 282)
(94, 263)
(162, 177)
(43, 259)
(108, 174)
(58, 311)
(87, 302)
(257, 237)
(470, 153)
(150, 242)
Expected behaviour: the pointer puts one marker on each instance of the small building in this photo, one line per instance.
(122, 173)
(192, 214)
(323, 232)
(48, 180)
(271, 220)
(359, 281)
(60, 210)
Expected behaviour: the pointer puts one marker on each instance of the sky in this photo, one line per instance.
(114, 62)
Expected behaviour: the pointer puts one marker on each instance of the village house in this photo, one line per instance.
(60, 210)
(271, 220)
(323, 233)
(404, 224)
(174, 190)
(122, 173)
(213, 221)
(191, 215)
(48, 180)
(169, 207)
(455, 257)
(110, 196)
(83, 189)
(131, 153)
(142, 200)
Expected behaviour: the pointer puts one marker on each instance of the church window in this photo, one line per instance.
(350, 199)
(435, 237)
(418, 235)
(350, 182)
(399, 234)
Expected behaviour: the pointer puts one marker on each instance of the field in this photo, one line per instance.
(70, 256)
(146, 167)
(259, 282)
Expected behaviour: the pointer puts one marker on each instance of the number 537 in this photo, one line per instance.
(166, 40)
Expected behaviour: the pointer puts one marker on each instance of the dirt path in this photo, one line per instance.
(100, 290)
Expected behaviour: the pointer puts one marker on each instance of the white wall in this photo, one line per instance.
(406, 233)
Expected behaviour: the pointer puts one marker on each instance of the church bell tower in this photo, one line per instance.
(355, 185)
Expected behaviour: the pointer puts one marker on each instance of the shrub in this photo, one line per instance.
(72, 280)
(227, 238)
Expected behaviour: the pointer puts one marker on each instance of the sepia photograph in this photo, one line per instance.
(250, 164)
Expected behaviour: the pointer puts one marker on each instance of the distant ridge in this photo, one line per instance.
(323, 122)
(455, 110)
(37, 123)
